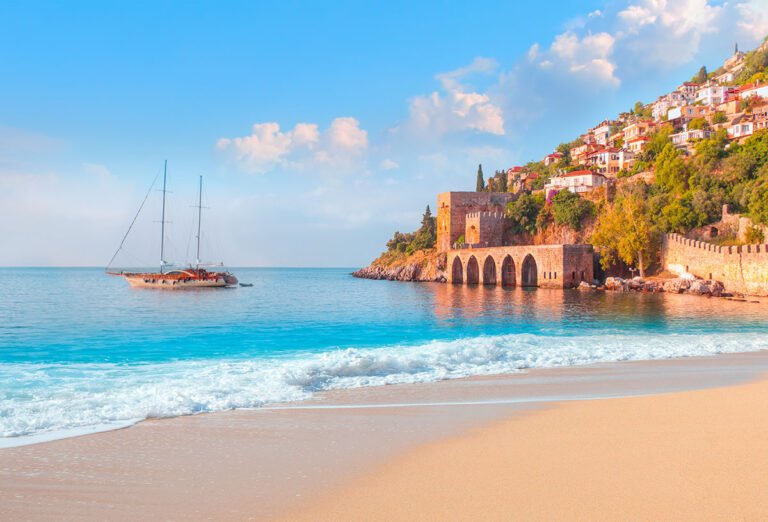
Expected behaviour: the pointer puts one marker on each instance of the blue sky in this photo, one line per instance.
(320, 129)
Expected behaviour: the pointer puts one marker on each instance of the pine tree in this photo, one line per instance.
(701, 76)
(480, 180)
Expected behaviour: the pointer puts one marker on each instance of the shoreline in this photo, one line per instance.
(611, 358)
(256, 463)
(688, 455)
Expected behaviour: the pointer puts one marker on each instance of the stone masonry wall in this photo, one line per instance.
(555, 264)
(484, 229)
(453, 207)
(742, 269)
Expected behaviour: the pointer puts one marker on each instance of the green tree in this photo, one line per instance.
(758, 201)
(426, 236)
(625, 232)
(719, 117)
(656, 143)
(698, 123)
(671, 170)
(679, 216)
(480, 180)
(754, 235)
(523, 213)
(701, 76)
(570, 209)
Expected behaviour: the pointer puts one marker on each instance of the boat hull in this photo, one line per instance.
(192, 279)
(166, 284)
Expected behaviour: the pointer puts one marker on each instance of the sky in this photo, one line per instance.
(320, 128)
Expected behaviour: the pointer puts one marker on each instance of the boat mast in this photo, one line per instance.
(199, 219)
(162, 221)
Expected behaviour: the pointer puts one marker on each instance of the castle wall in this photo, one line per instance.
(484, 229)
(453, 207)
(742, 269)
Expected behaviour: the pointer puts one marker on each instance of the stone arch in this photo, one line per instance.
(489, 271)
(508, 271)
(529, 272)
(457, 271)
(473, 271)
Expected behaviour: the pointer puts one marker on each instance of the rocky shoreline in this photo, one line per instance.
(422, 266)
(408, 272)
(679, 285)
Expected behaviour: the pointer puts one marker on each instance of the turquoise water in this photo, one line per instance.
(80, 350)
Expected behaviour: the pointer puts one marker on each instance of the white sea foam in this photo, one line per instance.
(39, 402)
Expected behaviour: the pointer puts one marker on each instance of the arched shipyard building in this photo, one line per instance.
(484, 259)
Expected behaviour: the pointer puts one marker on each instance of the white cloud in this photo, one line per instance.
(346, 134)
(457, 108)
(754, 18)
(589, 56)
(302, 147)
(666, 32)
(388, 164)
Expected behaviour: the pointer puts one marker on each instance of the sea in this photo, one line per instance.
(81, 352)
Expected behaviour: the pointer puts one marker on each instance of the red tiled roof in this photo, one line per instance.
(639, 138)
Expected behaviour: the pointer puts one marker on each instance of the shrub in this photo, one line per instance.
(570, 209)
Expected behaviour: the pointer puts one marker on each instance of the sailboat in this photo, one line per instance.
(169, 278)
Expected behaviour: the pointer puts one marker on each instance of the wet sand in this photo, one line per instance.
(467, 441)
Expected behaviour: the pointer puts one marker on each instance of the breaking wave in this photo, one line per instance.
(66, 399)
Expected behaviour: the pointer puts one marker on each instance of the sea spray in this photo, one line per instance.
(62, 398)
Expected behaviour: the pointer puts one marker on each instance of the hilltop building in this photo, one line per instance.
(578, 182)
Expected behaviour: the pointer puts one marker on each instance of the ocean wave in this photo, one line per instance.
(37, 399)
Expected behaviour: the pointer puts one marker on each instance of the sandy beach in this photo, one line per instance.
(525, 446)
(699, 455)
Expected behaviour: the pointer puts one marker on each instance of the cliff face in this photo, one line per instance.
(422, 265)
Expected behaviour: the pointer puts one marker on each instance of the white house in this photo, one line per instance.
(636, 145)
(758, 90)
(687, 137)
(712, 94)
(578, 182)
(741, 128)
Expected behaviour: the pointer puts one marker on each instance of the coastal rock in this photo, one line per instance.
(584, 286)
(676, 286)
(699, 287)
(717, 288)
(615, 283)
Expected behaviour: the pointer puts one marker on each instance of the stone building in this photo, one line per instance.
(452, 211)
(483, 258)
(484, 229)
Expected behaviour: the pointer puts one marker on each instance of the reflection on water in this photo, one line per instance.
(574, 311)
(83, 315)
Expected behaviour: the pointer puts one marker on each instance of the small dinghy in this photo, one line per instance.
(246, 284)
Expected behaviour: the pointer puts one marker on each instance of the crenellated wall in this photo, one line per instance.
(742, 269)
(452, 210)
(484, 229)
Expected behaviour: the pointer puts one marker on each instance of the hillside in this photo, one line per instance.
(665, 167)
